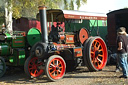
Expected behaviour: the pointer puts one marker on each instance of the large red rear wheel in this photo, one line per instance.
(95, 53)
(55, 68)
(31, 67)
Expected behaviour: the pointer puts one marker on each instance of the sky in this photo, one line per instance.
(103, 6)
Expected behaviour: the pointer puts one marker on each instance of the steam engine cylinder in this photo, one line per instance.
(4, 50)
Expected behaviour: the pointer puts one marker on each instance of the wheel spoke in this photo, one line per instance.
(60, 67)
(92, 52)
(52, 71)
(100, 50)
(53, 62)
(95, 53)
(94, 43)
(30, 65)
(93, 60)
(99, 60)
(100, 55)
(56, 67)
(52, 65)
(50, 68)
(98, 47)
(33, 61)
(57, 62)
(32, 71)
(35, 71)
(100, 64)
(31, 68)
(40, 64)
(58, 72)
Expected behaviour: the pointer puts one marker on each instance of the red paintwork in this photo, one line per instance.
(24, 24)
(78, 52)
(83, 35)
(87, 17)
(98, 61)
(33, 67)
(61, 25)
(56, 71)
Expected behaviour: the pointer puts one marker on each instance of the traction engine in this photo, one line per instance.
(58, 52)
(12, 50)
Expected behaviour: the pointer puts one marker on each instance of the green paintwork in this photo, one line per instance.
(18, 58)
(102, 26)
(91, 25)
(8, 36)
(33, 36)
(21, 56)
(12, 60)
(5, 49)
(19, 41)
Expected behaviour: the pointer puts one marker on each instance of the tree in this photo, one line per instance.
(29, 8)
(8, 15)
(69, 4)
(19, 8)
(2, 18)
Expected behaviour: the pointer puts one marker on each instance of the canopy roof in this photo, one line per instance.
(60, 15)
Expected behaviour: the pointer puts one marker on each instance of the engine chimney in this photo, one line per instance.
(43, 22)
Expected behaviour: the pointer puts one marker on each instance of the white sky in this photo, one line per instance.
(103, 6)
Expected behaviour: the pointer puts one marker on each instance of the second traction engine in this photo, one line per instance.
(59, 51)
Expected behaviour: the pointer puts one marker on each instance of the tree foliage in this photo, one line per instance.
(29, 8)
(69, 4)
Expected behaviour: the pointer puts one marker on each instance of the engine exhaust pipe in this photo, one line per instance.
(43, 22)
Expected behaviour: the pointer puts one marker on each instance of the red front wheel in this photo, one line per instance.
(31, 67)
(55, 67)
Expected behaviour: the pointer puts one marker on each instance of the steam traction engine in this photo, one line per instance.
(59, 51)
(12, 50)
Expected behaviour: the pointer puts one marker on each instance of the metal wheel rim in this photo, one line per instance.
(98, 53)
(56, 68)
(33, 67)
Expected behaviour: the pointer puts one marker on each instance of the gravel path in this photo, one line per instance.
(81, 76)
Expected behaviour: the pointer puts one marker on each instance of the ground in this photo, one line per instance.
(81, 76)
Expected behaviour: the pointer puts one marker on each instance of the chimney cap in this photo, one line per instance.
(42, 7)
